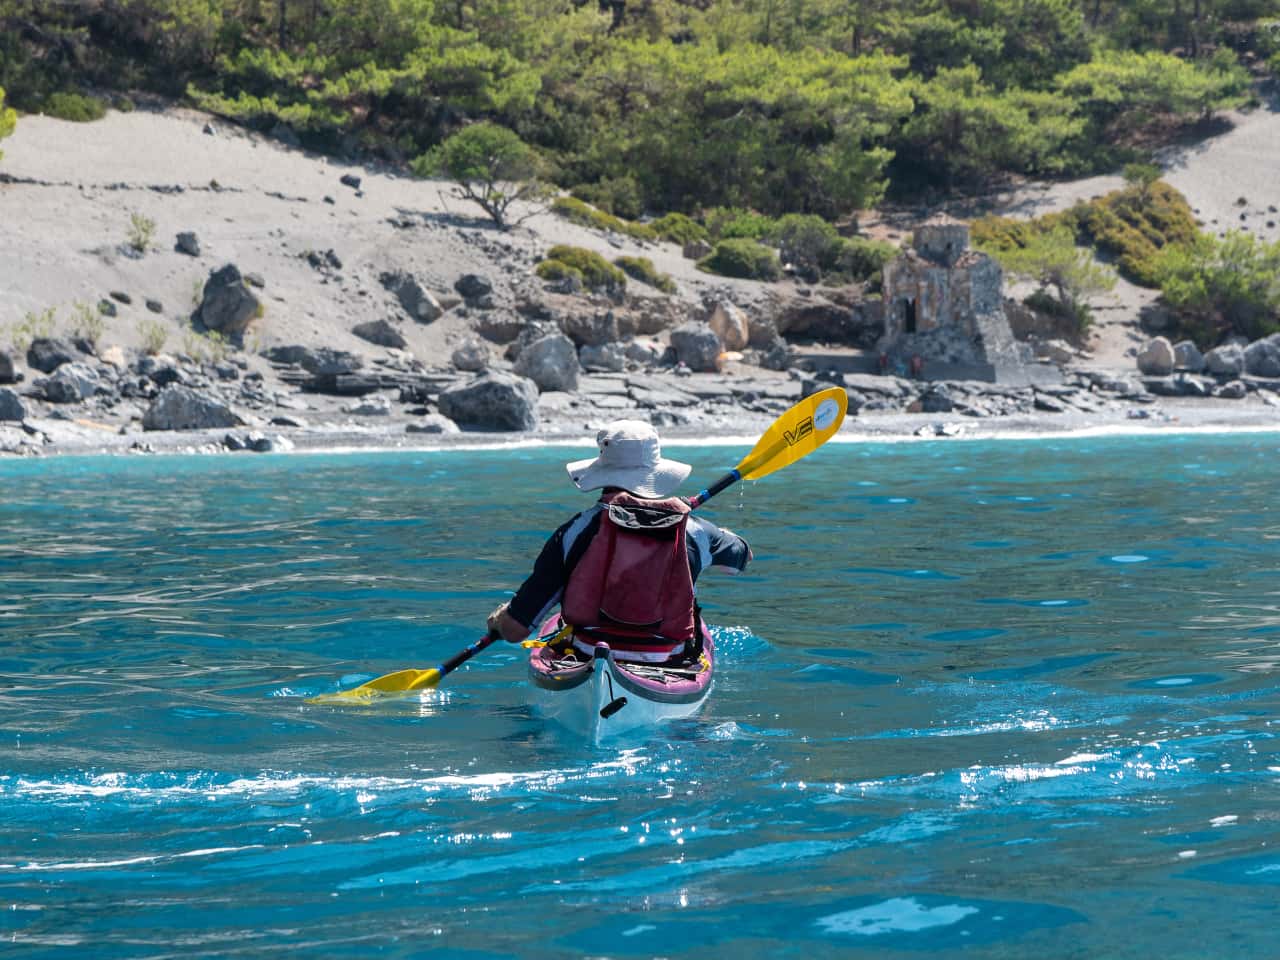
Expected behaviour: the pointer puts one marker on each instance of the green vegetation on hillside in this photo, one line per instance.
(8, 119)
(492, 167)
(809, 107)
(1223, 286)
(592, 270)
(748, 125)
(1131, 225)
(1216, 287)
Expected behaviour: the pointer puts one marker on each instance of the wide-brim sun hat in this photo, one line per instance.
(630, 458)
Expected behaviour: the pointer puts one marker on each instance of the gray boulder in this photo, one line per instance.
(500, 326)
(697, 346)
(1157, 358)
(11, 405)
(473, 286)
(777, 355)
(590, 329)
(533, 330)
(644, 352)
(180, 408)
(161, 369)
(1187, 356)
(937, 399)
(46, 354)
(696, 249)
(375, 406)
(260, 442)
(1262, 357)
(188, 243)
(492, 401)
(380, 332)
(8, 369)
(730, 324)
(551, 362)
(416, 299)
(609, 358)
(70, 383)
(317, 360)
(228, 305)
(1234, 390)
(470, 356)
(432, 423)
(1226, 360)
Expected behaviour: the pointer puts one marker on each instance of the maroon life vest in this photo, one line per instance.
(633, 587)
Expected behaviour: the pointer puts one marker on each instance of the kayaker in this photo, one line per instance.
(622, 571)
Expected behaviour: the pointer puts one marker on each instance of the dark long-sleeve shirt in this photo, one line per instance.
(706, 544)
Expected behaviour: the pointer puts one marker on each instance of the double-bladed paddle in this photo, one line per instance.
(795, 434)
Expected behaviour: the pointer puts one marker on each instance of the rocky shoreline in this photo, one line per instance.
(276, 303)
(70, 400)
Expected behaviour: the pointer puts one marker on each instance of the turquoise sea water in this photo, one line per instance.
(1004, 699)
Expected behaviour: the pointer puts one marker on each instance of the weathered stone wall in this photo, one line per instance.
(942, 241)
(947, 309)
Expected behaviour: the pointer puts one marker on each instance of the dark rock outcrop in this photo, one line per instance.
(381, 332)
(70, 383)
(11, 405)
(180, 408)
(8, 369)
(590, 329)
(551, 362)
(492, 401)
(316, 360)
(1262, 357)
(228, 305)
(46, 354)
(416, 299)
(697, 346)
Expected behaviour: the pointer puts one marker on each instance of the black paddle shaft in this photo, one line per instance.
(458, 659)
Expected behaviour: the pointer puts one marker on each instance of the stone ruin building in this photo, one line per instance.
(944, 310)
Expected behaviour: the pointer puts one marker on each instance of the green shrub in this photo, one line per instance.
(73, 106)
(87, 322)
(860, 260)
(585, 215)
(998, 234)
(597, 272)
(619, 196)
(208, 347)
(726, 223)
(8, 119)
(153, 333)
(642, 269)
(33, 326)
(1055, 261)
(1141, 175)
(554, 270)
(142, 231)
(680, 229)
(806, 242)
(1219, 287)
(1135, 224)
(740, 257)
(493, 168)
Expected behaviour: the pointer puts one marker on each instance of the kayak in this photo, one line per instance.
(599, 697)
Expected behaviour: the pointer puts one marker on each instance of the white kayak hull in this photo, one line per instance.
(601, 699)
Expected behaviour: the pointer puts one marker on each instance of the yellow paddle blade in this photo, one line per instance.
(402, 681)
(797, 433)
